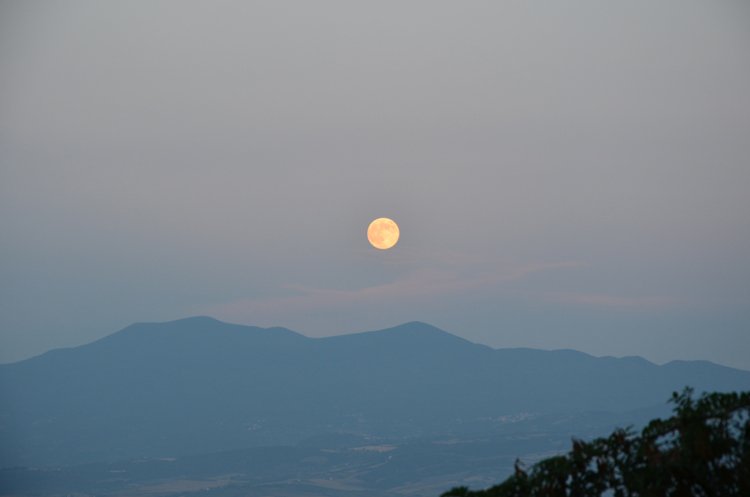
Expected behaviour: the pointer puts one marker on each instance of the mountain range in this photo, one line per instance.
(198, 385)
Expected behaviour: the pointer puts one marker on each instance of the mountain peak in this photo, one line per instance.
(198, 320)
(188, 323)
(193, 331)
(418, 326)
(418, 330)
(408, 336)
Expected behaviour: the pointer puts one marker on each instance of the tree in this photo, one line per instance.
(703, 450)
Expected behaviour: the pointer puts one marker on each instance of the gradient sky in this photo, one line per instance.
(565, 174)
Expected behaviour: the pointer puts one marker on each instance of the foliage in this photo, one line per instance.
(703, 450)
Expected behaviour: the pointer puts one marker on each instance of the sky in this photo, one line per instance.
(564, 174)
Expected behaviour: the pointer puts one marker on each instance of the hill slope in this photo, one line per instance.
(199, 385)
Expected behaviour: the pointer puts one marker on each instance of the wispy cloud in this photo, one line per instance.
(610, 301)
(416, 286)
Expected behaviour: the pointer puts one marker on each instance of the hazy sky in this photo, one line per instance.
(565, 174)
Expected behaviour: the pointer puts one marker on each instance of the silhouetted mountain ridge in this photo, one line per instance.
(198, 385)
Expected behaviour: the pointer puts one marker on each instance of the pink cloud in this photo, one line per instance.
(415, 286)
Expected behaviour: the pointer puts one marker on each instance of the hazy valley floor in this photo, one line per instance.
(335, 466)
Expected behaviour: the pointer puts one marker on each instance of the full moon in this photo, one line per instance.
(383, 233)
